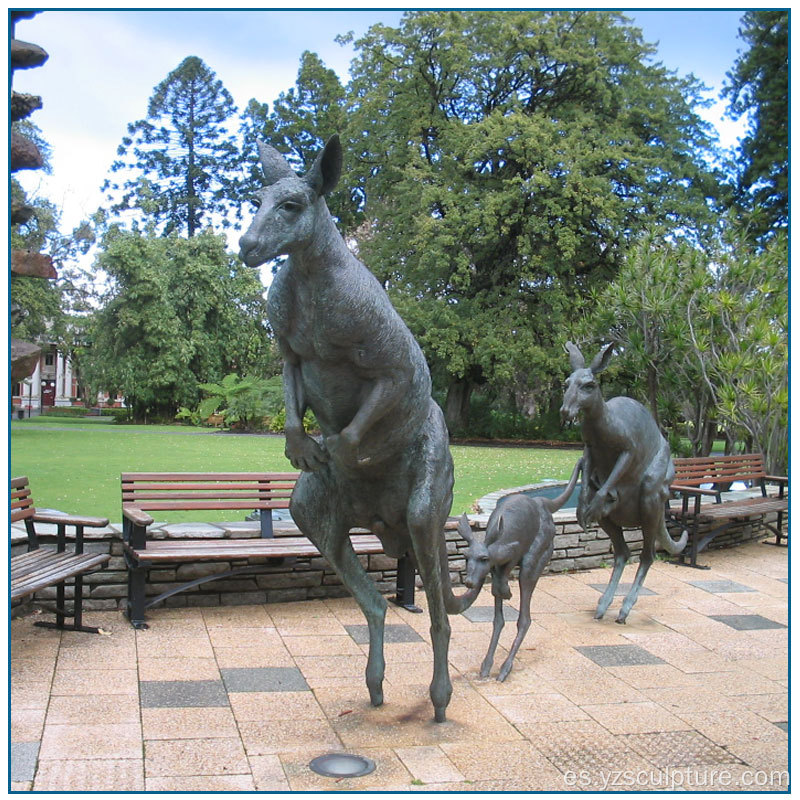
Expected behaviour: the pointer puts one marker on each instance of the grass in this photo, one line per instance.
(74, 465)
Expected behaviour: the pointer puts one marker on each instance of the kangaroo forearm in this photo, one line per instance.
(383, 397)
(293, 398)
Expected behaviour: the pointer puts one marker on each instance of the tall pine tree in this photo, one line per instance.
(180, 164)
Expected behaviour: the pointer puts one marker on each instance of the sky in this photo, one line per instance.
(104, 65)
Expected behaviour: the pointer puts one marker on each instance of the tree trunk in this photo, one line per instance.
(456, 410)
(652, 393)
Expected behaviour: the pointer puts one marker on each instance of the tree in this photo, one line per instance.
(506, 159)
(739, 333)
(759, 86)
(703, 334)
(181, 163)
(303, 118)
(644, 312)
(179, 312)
(48, 307)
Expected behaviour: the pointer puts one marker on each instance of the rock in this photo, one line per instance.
(24, 358)
(34, 265)
(23, 105)
(24, 154)
(24, 55)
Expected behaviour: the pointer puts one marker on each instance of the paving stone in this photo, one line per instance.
(679, 749)
(182, 694)
(392, 634)
(619, 655)
(264, 679)
(22, 760)
(622, 589)
(747, 622)
(87, 775)
(721, 587)
(486, 613)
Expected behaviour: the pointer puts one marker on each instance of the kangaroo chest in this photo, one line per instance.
(311, 320)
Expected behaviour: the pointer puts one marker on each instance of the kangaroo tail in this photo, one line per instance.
(453, 604)
(553, 504)
(668, 543)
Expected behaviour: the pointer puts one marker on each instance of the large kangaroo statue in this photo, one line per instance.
(383, 462)
(627, 470)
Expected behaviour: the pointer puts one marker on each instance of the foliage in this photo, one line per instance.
(643, 311)
(181, 162)
(302, 120)
(179, 312)
(277, 422)
(739, 333)
(505, 159)
(48, 306)
(240, 401)
(758, 85)
(703, 335)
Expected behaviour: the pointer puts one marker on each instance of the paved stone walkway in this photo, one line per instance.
(691, 693)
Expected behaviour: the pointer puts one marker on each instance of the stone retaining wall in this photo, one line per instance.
(310, 577)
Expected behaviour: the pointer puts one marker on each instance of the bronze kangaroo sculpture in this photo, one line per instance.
(383, 462)
(627, 470)
(520, 533)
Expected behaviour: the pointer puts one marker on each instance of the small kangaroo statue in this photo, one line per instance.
(520, 533)
(627, 470)
(383, 462)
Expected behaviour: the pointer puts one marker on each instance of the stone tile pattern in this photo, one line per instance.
(672, 693)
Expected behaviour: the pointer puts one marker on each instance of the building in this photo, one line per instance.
(53, 383)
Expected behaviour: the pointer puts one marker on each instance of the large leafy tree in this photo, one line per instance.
(179, 167)
(758, 85)
(506, 157)
(179, 312)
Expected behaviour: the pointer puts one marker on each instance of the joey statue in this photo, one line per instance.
(383, 461)
(627, 470)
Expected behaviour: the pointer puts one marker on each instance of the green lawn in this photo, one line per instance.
(74, 464)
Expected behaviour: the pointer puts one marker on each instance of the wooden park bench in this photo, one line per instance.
(41, 567)
(145, 492)
(694, 476)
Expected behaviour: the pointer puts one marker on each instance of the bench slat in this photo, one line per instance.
(206, 505)
(221, 549)
(53, 572)
(741, 509)
(127, 477)
(215, 487)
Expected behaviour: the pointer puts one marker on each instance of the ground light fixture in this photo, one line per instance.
(342, 765)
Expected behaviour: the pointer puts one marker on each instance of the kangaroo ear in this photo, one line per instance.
(464, 530)
(601, 360)
(576, 359)
(273, 163)
(327, 167)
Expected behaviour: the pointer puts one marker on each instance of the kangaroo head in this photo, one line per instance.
(290, 208)
(478, 562)
(582, 389)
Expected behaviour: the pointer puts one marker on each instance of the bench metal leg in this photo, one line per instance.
(778, 531)
(137, 582)
(406, 584)
(62, 613)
